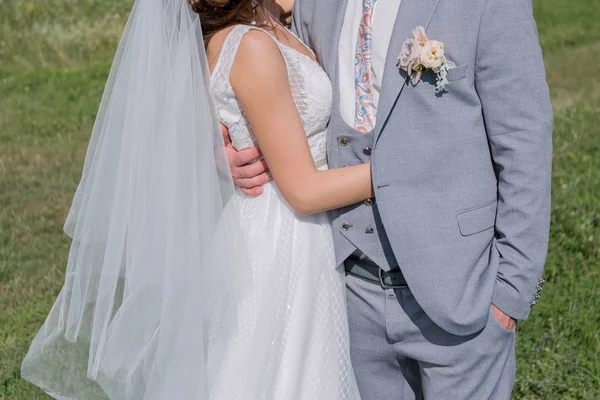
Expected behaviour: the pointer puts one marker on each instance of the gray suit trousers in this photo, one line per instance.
(399, 353)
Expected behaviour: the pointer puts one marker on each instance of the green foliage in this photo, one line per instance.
(54, 60)
(564, 23)
(37, 35)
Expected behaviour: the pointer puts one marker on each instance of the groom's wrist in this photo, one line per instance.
(510, 301)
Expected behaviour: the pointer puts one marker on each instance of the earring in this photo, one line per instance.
(254, 5)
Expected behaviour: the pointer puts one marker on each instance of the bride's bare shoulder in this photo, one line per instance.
(257, 55)
(256, 46)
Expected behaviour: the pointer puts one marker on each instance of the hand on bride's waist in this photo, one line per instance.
(248, 169)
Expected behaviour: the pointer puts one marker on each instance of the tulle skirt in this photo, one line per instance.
(293, 336)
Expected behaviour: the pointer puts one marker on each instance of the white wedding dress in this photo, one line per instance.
(178, 287)
(293, 341)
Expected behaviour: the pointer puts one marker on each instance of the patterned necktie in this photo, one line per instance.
(365, 110)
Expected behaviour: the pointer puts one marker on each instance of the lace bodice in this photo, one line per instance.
(311, 89)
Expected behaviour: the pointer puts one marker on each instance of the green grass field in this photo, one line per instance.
(54, 59)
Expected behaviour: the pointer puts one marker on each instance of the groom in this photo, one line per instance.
(450, 252)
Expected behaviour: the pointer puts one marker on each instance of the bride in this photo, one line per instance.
(178, 286)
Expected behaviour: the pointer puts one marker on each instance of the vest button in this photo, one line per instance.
(367, 151)
(346, 226)
(368, 202)
(343, 141)
(369, 230)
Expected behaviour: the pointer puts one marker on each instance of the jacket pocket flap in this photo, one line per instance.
(457, 73)
(477, 219)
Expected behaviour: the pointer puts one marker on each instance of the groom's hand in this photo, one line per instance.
(248, 169)
(506, 321)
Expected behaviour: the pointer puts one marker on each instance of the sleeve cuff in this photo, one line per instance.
(510, 302)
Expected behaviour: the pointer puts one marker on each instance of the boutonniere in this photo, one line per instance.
(420, 54)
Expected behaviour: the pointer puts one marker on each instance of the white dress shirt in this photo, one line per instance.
(384, 18)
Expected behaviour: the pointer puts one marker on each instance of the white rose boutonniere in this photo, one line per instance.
(420, 54)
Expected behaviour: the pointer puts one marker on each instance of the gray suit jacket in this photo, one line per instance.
(462, 179)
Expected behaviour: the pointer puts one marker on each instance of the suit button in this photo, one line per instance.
(346, 226)
(368, 202)
(369, 230)
(367, 151)
(343, 141)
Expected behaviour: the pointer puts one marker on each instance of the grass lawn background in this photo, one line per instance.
(54, 60)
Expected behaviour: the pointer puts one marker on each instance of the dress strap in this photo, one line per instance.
(231, 46)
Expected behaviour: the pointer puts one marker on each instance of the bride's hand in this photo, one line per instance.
(248, 169)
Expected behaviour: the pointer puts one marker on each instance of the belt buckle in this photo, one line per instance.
(385, 285)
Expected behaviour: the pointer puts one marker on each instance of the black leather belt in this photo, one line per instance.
(392, 279)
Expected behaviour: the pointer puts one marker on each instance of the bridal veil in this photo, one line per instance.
(148, 285)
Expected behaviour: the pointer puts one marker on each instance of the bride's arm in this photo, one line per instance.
(260, 81)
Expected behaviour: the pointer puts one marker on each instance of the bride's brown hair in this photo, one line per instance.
(216, 15)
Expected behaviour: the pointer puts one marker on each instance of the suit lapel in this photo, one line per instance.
(411, 14)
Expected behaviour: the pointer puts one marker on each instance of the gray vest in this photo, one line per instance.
(357, 227)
